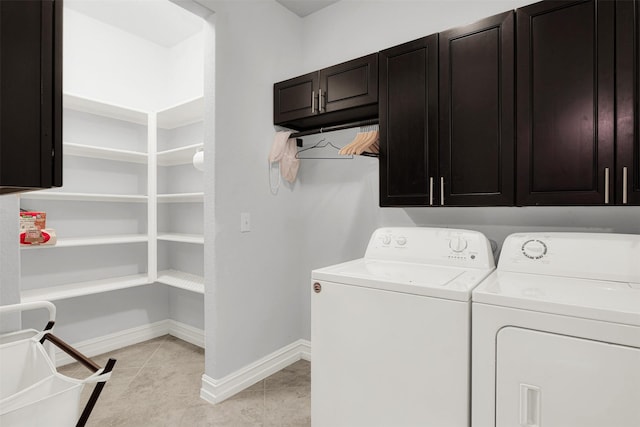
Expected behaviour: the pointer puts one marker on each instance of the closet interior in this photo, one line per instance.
(130, 213)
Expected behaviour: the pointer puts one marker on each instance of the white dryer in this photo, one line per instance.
(556, 333)
(390, 333)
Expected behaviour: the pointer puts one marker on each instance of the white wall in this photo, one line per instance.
(352, 28)
(184, 71)
(9, 258)
(252, 300)
(94, 316)
(106, 63)
(258, 283)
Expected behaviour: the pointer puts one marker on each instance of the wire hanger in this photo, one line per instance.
(322, 144)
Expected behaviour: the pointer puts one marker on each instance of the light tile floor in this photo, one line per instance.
(157, 383)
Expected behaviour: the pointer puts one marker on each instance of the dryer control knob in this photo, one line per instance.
(386, 239)
(458, 244)
(401, 241)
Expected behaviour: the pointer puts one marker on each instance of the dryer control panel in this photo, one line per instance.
(597, 256)
(436, 246)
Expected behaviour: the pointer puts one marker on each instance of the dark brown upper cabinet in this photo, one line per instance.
(409, 123)
(31, 95)
(339, 94)
(565, 103)
(477, 142)
(627, 170)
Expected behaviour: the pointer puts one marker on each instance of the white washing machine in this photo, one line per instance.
(390, 333)
(556, 333)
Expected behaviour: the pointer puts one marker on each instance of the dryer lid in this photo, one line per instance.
(609, 301)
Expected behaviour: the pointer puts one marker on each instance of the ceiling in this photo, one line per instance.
(303, 8)
(158, 21)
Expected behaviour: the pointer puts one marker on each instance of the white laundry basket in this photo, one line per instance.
(32, 392)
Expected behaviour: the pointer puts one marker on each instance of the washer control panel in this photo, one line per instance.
(439, 246)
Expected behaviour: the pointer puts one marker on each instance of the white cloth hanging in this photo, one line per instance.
(283, 152)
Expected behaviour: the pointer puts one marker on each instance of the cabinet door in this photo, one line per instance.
(31, 101)
(409, 123)
(565, 103)
(627, 99)
(295, 98)
(476, 113)
(350, 84)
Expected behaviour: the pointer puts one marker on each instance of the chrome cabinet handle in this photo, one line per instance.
(442, 191)
(313, 102)
(430, 191)
(625, 184)
(321, 101)
(606, 186)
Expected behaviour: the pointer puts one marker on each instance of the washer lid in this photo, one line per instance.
(590, 299)
(418, 279)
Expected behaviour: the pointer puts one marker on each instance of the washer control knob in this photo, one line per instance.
(401, 241)
(386, 239)
(458, 244)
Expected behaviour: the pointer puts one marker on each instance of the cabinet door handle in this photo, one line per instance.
(313, 102)
(321, 101)
(625, 185)
(606, 186)
(442, 191)
(430, 191)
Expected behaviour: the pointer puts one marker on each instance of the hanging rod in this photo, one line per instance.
(334, 128)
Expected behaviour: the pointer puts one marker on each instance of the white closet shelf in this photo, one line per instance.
(105, 109)
(182, 238)
(181, 198)
(83, 288)
(84, 197)
(81, 150)
(178, 156)
(92, 241)
(182, 114)
(182, 280)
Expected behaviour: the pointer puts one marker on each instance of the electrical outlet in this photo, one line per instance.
(245, 222)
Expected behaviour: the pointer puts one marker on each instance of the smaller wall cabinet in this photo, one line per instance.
(31, 101)
(565, 103)
(409, 122)
(339, 94)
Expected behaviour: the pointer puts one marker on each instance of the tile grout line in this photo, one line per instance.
(146, 361)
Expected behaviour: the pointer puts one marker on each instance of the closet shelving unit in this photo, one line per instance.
(112, 158)
(181, 198)
(180, 191)
(86, 197)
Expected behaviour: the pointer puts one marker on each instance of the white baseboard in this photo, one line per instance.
(186, 333)
(215, 391)
(117, 340)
